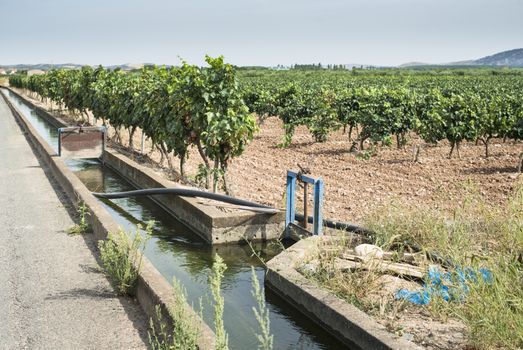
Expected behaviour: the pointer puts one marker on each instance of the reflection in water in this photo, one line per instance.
(178, 252)
(48, 132)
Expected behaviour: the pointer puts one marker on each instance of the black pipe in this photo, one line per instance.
(183, 192)
(343, 226)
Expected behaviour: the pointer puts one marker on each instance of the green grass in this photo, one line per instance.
(215, 281)
(261, 312)
(185, 330)
(83, 226)
(121, 257)
(472, 232)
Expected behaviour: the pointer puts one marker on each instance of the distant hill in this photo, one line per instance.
(48, 66)
(413, 64)
(511, 58)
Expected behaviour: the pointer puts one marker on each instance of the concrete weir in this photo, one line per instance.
(212, 224)
(152, 288)
(343, 320)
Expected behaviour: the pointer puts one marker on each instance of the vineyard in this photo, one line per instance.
(439, 141)
(213, 109)
(455, 108)
(175, 108)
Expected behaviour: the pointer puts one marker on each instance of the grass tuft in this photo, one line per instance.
(122, 258)
(473, 233)
(261, 312)
(83, 226)
(215, 281)
(185, 331)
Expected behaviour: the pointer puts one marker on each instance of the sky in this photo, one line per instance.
(257, 32)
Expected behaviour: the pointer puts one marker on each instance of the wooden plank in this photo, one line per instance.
(405, 257)
(381, 266)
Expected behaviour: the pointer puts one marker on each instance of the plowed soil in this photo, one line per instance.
(355, 185)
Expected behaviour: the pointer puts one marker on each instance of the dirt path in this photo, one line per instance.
(52, 296)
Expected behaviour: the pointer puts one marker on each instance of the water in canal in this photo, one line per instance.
(179, 253)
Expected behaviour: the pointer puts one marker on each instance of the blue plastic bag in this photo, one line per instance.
(450, 286)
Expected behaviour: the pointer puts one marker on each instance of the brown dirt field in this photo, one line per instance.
(354, 187)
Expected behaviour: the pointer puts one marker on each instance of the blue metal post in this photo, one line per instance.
(290, 212)
(290, 215)
(318, 202)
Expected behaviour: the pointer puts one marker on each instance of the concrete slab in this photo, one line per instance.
(213, 225)
(343, 320)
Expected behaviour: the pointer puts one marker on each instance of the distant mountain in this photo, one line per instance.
(511, 58)
(41, 66)
(413, 64)
(461, 63)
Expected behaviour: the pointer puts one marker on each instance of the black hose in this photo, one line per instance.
(184, 192)
(343, 226)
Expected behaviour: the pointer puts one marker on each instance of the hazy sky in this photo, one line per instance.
(257, 32)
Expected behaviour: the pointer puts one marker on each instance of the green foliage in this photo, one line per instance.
(265, 339)
(321, 117)
(175, 107)
(454, 105)
(210, 107)
(368, 153)
(122, 258)
(215, 281)
(184, 333)
(83, 225)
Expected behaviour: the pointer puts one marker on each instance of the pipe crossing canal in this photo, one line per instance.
(179, 253)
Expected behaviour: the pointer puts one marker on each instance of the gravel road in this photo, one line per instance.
(52, 295)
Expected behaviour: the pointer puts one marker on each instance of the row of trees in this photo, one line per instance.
(174, 107)
(208, 107)
(383, 109)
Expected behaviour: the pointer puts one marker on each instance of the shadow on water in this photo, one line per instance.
(178, 252)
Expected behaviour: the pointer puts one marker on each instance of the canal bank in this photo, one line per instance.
(52, 294)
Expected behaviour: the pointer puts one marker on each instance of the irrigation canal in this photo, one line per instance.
(51, 294)
(179, 253)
